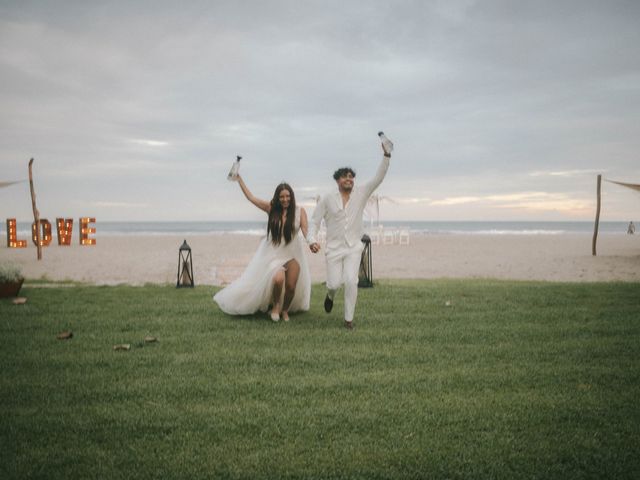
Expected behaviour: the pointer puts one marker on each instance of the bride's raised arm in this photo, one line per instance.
(261, 204)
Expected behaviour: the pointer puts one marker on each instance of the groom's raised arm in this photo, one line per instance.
(372, 184)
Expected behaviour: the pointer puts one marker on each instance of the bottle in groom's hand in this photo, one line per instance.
(386, 143)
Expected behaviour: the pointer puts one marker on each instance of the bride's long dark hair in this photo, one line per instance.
(275, 229)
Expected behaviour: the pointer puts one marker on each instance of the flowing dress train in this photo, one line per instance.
(252, 291)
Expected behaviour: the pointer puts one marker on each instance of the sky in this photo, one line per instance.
(499, 110)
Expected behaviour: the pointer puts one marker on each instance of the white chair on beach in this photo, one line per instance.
(389, 237)
(403, 237)
(375, 236)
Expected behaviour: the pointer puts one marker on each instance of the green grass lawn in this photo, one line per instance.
(511, 380)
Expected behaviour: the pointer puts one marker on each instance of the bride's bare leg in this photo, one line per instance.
(292, 273)
(278, 283)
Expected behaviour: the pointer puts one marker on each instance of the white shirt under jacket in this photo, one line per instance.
(344, 223)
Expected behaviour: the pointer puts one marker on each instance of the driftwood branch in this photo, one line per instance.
(36, 213)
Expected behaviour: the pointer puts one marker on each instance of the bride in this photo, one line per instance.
(278, 274)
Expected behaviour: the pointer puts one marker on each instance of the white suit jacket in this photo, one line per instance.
(344, 224)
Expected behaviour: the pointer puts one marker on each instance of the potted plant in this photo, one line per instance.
(10, 280)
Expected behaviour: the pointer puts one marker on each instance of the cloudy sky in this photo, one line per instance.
(500, 110)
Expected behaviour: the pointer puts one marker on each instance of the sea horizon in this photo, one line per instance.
(440, 227)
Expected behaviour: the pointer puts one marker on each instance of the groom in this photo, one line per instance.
(342, 213)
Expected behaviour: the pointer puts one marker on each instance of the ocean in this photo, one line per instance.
(415, 227)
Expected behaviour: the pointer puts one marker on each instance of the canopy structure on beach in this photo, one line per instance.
(633, 186)
(372, 210)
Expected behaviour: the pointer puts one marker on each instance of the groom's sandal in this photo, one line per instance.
(328, 304)
(348, 325)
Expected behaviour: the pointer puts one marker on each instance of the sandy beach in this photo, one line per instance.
(220, 258)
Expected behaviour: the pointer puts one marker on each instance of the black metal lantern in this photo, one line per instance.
(185, 267)
(365, 275)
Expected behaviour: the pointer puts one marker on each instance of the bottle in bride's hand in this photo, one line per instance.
(235, 168)
(386, 143)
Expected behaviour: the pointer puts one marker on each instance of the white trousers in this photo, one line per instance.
(343, 267)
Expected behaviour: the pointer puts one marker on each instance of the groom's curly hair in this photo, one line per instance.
(343, 172)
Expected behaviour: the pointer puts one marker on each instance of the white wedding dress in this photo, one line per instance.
(253, 290)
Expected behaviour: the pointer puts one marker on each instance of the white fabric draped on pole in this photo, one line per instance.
(6, 184)
(634, 186)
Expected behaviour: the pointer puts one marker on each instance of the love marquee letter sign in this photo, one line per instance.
(64, 229)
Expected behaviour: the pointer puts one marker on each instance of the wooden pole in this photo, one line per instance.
(595, 229)
(36, 213)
